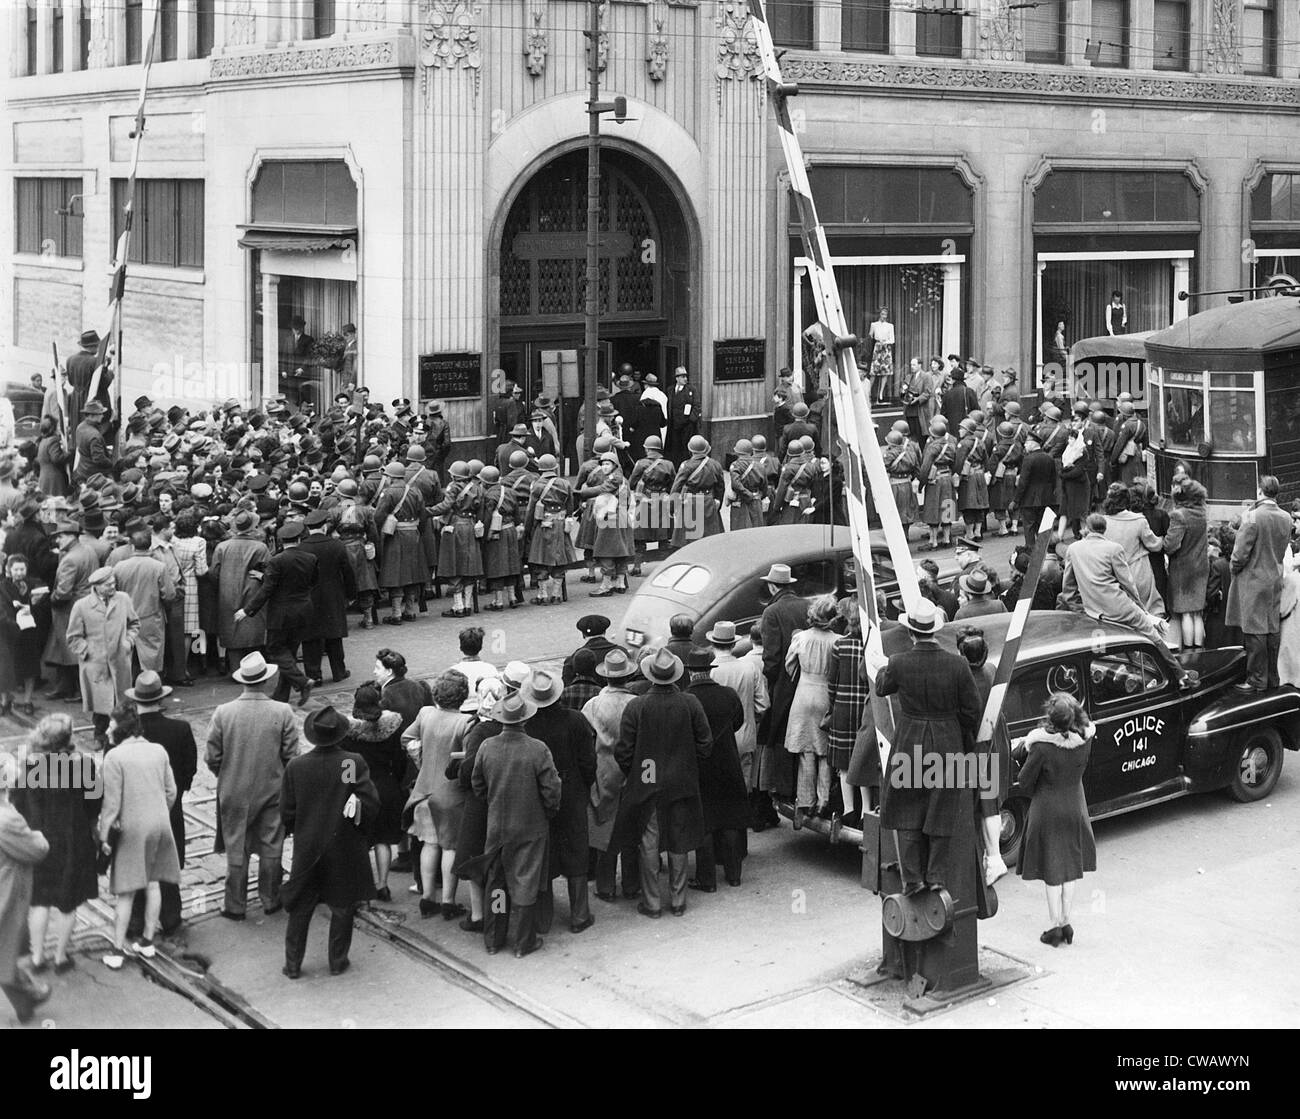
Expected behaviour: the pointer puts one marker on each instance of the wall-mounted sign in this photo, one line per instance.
(740, 359)
(448, 376)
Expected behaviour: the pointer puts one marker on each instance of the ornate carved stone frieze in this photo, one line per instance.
(1036, 83)
(1223, 53)
(536, 45)
(1001, 39)
(242, 29)
(738, 57)
(449, 39)
(304, 60)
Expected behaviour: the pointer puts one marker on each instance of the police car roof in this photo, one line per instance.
(1048, 634)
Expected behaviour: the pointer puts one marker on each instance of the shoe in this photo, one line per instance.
(733, 881)
(145, 948)
(824, 812)
(39, 968)
(631, 895)
(646, 911)
(493, 607)
(600, 594)
(994, 868)
(1247, 689)
(620, 590)
(450, 911)
(696, 884)
(29, 709)
(679, 911)
(410, 617)
(233, 916)
(540, 601)
(340, 968)
(582, 926)
(429, 908)
(1067, 933)
(1052, 937)
(316, 681)
(451, 613)
(528, 950)
(383, 894)
(6, 708)
(492, 949)
(305, 695)
(587, 579)
(114, 960)
(606, 897)
(186, 682)
(470, 925)
(292, 971)
(62, 967)
(366, 623)
(392, 621)
(272, 910)
(339, 677)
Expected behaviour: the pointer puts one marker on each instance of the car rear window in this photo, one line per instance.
(684, 578)
(669, 575)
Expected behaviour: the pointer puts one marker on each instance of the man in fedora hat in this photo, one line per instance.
(437, 439)
(977, 597)
(77, 561)
(518, 441)
(938, 716)
(102, 631)
(177, 738)
(327, 801)
(250, 741)
(236, 569)
(785, 613)
(515, 773)
(286, 592)
(662, 736)
(572, 743)
(81, 371)
(744, 676)
(91, 451)
(723, 793)
(604, 712)
(151, 588)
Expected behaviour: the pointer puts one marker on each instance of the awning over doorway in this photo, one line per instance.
(300, 239)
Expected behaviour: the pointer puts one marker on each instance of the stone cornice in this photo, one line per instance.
(331, 58)
(939, 80)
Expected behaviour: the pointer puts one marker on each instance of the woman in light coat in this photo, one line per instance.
(811, 653)
(1132, 533)
(101, 634)
(1187, 546)
(139, 790)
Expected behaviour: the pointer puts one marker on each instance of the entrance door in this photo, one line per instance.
(556, 370)
(643, 354)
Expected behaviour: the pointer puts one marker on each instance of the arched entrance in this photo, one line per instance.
(538, 277)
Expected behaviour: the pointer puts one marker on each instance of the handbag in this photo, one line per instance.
(390, 521)
(104, 861)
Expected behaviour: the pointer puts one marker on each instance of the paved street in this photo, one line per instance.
(1175, 928)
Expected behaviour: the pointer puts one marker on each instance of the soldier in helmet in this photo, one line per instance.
(701, 485)
(460, 555)
(360, 536)
(402, 568)
(372, 478)
(549, 549)
(748, 488)
(503, 514)
(519, 480)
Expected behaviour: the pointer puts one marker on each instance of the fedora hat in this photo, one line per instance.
(149, 688)
(66, 528)
(94, 408)
(700, 658)
(253, 669)
(543, 688)
(325, 727)
(976, 583)
(926, 619)
(779, 573)
(89, 338)
(515, 674)
(662, 667)
(616, 666)
(722, 633)
(513, 708)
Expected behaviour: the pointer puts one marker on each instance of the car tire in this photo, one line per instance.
(1015, 815)
(1258, 764)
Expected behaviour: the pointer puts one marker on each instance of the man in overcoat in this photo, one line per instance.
(785, 613)
(1255, 594)
(605, 714)
(1036, 488)
(286, 592)
(102, 630)
(662, 736)
(150, 587)
(572, 743)
(237, 568)
(593, 627)
(516, 775)
(177, 738)
(336, 585)
(77, 562)
(723, 794)
(250, 741)
(938, 716)
(683, 415)
(744, 676)
(327, 801)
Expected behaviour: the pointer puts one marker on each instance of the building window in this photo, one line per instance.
(57, 21)
(1259, 38)
(1172, 35)
(39, 226)
(168, 226)
(83, 36)
(1100, 197)
(134, 31)
(791, 22)
(305, 192)
(33, 38)
(1277, 198)
(205, 15)
(165, 48)
(322, 19)
(864, 25)
(1045, 32)
(875, 196)
(1110, 32)
(939, 28)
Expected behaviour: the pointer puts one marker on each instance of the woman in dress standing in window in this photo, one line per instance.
(881, 333)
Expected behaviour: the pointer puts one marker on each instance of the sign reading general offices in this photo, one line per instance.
(740, 359)
(450, 376)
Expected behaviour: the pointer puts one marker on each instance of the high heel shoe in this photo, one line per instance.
(1053, 937)
(1067, 933)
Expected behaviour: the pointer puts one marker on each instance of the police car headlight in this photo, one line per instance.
(635, 637)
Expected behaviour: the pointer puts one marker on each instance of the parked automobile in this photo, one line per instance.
(27, 403)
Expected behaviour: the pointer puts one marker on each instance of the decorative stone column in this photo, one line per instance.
(270, 385)
(44, 36)
(998, 35)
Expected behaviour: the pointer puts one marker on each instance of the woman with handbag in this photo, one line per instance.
(64, 811)
(402, 567)
(376, 735)
(460, 551)
(135, 829)
(550, 551)
(24, 627)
